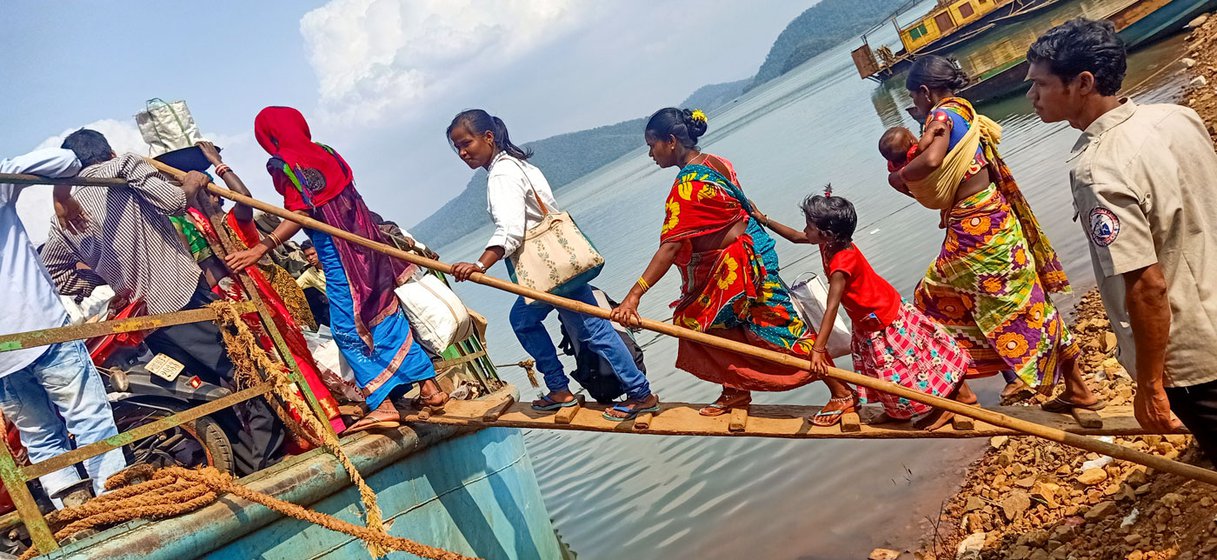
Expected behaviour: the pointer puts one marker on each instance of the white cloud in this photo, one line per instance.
(34, 204)
(122, 135)
(377, 57)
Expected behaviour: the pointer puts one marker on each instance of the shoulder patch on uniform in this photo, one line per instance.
(1104, 226)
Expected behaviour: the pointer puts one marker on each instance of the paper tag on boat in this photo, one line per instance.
(165, 367)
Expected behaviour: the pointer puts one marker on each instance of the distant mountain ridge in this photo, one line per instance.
(567, 157)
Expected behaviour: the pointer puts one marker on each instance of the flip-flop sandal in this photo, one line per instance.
(717, 408)
(834, 416)
(630, 413)
(553, 405)
(1060, 405)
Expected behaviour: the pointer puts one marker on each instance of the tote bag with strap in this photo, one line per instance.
(555, 255)
(810, 297)
(167, 126)
(435, 312)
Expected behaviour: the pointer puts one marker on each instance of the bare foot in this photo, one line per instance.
(431, 396)
(934, 420)
(964, 394)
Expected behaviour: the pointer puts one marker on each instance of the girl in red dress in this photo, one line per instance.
(892, 340)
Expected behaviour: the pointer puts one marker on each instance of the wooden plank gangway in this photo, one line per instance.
(500, 409)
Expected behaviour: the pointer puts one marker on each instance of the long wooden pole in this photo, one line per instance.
(1082, 442)
(227, 245)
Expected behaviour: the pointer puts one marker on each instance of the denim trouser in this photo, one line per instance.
(62, 383)
(597, 333)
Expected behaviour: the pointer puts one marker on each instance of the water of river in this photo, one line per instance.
(639, 496)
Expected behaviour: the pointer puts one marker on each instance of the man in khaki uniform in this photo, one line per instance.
(1144, 181)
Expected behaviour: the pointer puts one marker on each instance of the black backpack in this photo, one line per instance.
(592, 372)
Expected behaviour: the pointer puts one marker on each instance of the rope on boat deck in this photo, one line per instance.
(146, 492)
(173, 491)
(248, 359)
(530, 369)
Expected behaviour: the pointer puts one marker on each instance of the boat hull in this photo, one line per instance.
(1137, 28)
(471, 492)
(1167, 19)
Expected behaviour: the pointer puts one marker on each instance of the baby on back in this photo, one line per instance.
(898, 146)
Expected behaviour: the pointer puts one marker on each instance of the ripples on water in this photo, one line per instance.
(641, 496)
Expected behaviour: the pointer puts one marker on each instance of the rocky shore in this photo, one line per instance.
(1031, 499)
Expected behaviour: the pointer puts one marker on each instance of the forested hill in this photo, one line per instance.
(821, 27)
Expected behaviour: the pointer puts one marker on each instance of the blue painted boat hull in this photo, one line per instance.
(473, 493)
(1165, 20)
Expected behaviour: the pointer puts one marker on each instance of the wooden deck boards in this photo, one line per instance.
(779, 421)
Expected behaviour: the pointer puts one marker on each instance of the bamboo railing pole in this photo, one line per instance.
(995, 418)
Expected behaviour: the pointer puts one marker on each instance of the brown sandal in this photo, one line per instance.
(385, 417)
(725, 402)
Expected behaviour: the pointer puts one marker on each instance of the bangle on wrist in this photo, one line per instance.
(479, 266)
(274, 239)
(642, 283)
(819, 350)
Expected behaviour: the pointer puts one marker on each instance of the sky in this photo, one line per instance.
(378, 80)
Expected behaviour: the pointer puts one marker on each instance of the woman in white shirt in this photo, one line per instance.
(513, 189)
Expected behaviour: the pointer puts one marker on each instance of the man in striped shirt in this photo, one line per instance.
(133, 247)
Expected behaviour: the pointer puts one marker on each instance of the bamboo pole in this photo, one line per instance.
(226, 246)
(1089, 444)
(1030, 428)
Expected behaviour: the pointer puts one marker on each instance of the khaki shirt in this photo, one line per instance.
(1144, 184)
(311, 278)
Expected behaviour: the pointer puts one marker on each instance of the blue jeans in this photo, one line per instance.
(62, 383)
(597, 333)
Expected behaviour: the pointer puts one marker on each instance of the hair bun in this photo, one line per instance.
(696, 122)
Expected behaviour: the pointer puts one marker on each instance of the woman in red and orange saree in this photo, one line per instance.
(729, 276)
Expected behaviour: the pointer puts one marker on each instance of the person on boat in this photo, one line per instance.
(289, 255)
(370, 328)
(275, 295)
(312, 282)
(52, 391)
(518, 197)
(991, 282)
(892, 340)
(1144, 198)
(132, 246)
(729, 276)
